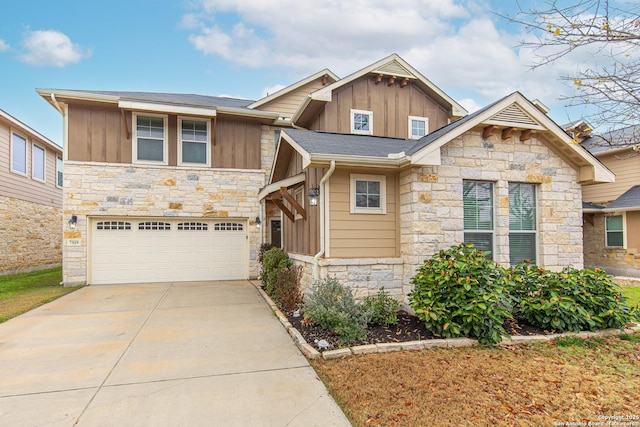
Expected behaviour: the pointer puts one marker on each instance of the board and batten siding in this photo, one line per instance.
(97, 134)
(24, 187)
(391, 107)
(288, 104)
(626, 167)
(362, 235)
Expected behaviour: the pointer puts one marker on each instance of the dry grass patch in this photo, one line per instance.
(537, 385)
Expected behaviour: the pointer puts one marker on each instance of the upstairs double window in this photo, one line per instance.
(150, 139)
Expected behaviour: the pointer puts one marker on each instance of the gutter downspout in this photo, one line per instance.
(55, 103)
(323, 198)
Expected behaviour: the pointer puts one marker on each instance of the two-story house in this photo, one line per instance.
(612, 210)
(365, 176)
(30, 198)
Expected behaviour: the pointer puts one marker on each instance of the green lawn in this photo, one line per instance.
(632, 295)
(20, 293)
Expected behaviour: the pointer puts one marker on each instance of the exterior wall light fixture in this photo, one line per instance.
(258, 222)
(73, 222)
(313, 196)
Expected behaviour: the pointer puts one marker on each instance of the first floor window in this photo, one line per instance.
(194, 141)
(59, 174)
(368, 194)
(18, 153)
(614, 231)
(38, 155)
(418, 127)
(522, 223)
(478, 214)
(150, 139)
(362, 122)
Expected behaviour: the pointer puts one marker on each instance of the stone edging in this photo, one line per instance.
(311, 353)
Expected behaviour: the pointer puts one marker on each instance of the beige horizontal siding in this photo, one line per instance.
(24, 187)
(362, 235)
(288, 104)
(633, 232)
(626, 167)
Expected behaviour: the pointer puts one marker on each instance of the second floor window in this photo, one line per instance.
(150, 141)
(362, 122)
(418, 127)
(38, 155)
(59, 174)
(194, 141)
(18, 154)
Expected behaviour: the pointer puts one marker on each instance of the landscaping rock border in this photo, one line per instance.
(311, 353)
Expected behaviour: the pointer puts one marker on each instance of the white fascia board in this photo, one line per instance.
(287, 182)
(293, 87)
(611, 210)
(376, 162)
(306, 157)
(83, 96)
(166, 108)
(301, 108)
(249, 113)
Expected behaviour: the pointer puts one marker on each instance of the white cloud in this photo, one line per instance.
(51, 48)
(470, 105)
(4, 46)
(454, 43)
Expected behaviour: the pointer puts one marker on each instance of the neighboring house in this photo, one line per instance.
(362, 177)
(612, 210)
(30, 198)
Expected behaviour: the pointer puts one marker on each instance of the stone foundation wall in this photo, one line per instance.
(615, 261)
(365, 276)
(99, 189)
(31, 236)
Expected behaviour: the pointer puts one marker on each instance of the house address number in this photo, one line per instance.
(73, 242)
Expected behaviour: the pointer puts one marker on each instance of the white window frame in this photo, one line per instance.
(535, 232)
(207, 143)
(358, 131)
(382, 179)
(59, 170)
(35, 146)
(624, 231)
(425, 120)
(165, 142)
(493, 216)
(26, 154)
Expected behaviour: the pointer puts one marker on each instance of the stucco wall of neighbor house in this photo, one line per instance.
(615, 261)
(431, 206)
(103, 189)
(31, 236)
(365, 276)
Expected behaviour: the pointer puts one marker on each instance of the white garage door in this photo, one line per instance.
(126, 250)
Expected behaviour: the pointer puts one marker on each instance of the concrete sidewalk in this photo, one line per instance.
(177, 354)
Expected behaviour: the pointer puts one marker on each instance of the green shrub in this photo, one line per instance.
(264, 248)
(287, 292)
(571, 300)
(383, 307)
(459, 292)
(273, 261)
(333, 307)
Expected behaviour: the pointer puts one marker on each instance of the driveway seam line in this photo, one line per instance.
(106, 378)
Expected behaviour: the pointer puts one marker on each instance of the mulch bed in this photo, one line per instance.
(409, 328)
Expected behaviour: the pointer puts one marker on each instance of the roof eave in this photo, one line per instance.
(28, 129)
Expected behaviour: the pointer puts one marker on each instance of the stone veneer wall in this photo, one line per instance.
(431, 212)
(615, 261)
(102, 189)
(31, 236)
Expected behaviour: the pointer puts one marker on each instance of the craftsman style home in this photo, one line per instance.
(361, 177)
(612, 210)
(30, 198)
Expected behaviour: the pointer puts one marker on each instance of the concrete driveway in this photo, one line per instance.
(173, 354)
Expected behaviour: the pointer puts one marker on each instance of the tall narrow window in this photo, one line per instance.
(59, 174)
(18, 154)
(362, 122)
(194, 142)
(522, 223)
(150, 139)
(614, 231)
(478, 214)
(38, 158)
(418, 127)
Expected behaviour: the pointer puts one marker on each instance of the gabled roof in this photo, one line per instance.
(27, 129)
(616, 140)
(630, 199)
(512, 111)
(392, 65)
(285, 91)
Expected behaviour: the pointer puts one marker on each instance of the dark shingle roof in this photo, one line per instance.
(619, 138)
(315, 142)
(204, 101)
(589, 205)
(630, 199)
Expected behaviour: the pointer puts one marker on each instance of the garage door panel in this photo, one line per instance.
(161, 250)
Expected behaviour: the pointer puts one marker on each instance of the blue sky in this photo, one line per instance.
(247, 48)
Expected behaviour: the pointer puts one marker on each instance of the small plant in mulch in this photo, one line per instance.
(274, 261)
(384, 308)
